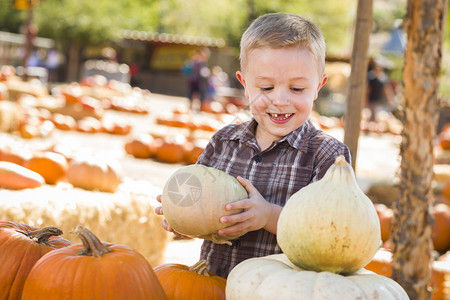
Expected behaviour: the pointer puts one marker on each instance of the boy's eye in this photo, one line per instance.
(297, 90)
(266, 89)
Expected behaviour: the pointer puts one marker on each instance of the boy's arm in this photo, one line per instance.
(257, 213)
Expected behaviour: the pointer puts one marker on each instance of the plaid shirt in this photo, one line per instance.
(294, 161)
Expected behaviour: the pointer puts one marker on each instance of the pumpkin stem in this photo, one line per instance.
(42, 235)
(340, 161)
(92, 245)
(200, 268)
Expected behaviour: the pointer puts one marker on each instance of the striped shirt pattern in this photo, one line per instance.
(290, 163)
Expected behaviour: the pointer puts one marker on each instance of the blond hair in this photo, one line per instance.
(282, 30)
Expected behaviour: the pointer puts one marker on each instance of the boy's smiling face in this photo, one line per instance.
(281, 85)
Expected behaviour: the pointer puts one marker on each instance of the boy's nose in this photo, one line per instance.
(280, 99)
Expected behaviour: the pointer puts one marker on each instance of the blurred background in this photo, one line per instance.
(147, 42)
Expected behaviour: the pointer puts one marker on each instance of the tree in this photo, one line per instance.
(75, 24)
(11, 19)
(357, 81)
(412, 230)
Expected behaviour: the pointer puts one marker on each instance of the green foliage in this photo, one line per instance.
(81, 21)
(385, 14)
(99, 21)
(10, 18)
(228, 19)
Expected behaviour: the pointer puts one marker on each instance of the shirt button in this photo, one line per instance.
(257, 158)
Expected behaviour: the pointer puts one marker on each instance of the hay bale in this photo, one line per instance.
(125, 217)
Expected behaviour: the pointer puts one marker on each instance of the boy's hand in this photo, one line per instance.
(257, 214)
(165, 225)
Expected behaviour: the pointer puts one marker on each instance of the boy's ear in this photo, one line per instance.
(324, 80)
(321, 84)
(240, 77)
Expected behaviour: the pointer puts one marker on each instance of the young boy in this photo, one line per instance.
(278, 151)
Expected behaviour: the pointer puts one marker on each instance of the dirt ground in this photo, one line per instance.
(377, 159)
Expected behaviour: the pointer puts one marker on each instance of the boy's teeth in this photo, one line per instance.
(281, 115)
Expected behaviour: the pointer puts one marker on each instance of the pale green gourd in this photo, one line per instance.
(194, 199)
(330, 225)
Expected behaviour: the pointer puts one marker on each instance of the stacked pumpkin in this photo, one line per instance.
(197, 190)
(38, 264)
(328, 231)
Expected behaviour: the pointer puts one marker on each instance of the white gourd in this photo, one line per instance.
(275, 277)
(330, 225)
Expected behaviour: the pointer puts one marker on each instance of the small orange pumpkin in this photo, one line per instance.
(92, 174)
(172, 149)
(441, 227)
(193, 150)
(93, 270)
(386, 216)
(51, 165)
(181, 282)
(16, 177)
(21, 246)
(382, 265)
(14, 155)
(64, 122)
(139, 146)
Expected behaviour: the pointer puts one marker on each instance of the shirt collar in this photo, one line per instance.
(245, 132)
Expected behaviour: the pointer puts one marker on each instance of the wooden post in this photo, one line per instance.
(357, 80)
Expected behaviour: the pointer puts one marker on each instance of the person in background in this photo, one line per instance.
(197, 72)
(279, 151)
(52, 62)
(218, 79)
(379, 90)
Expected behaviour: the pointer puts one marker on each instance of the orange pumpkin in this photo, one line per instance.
(89, 125)
(14, 155)
(72, 93)
(193, 150)
(21, 246)
(93, 174)
(182, 282)
(444, 137)
(139, 146)
(51, 165)
(441, 227)
(386, 216)
(93, 270)
(382, 265)
(64, 122)
(171, 149)
(16, 177)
